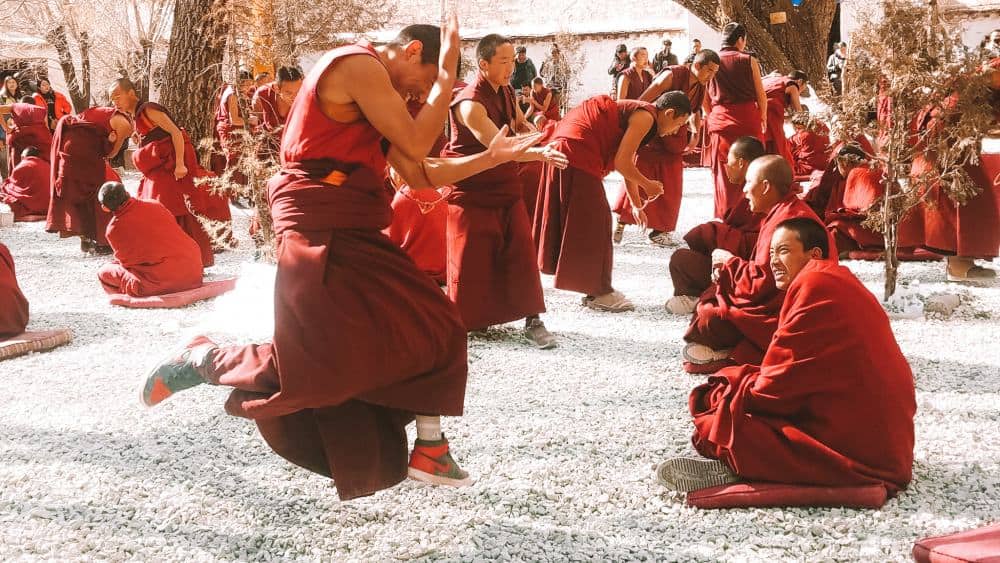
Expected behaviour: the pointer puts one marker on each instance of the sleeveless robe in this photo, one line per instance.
(638, 81)
(775, 141)
(552, 112)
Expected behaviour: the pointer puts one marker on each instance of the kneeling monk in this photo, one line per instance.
(572, 217)
(27, 188)
(832, 403)
(13, 305)
(363, 340)
(153, 256)
(737, 316)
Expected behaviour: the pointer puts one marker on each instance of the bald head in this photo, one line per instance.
(769, 180)
(112, 195)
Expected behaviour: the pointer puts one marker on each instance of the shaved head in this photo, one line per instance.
(773, 169)
(112, 195)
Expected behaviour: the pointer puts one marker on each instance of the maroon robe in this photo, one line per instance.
(810, 152)
(638, 82)
(362, 338)
(572, 218)
(832, 402)
(30, 129)
(28, 188)
(229, 139)
(862, 189)
(492, 276)
(552, 112)
(740, 311)
(422, 234)
(691, 267)
(775, 87)
(13, 305)
(153, 256)
(80, 148)
(156, 160)
(272, 123)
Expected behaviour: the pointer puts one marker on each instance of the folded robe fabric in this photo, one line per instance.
(981, 545)
(832, 403)
(421, 234)
(34, 341)
(27, 189)
(30, 130)
(774, 495)
(13, 304)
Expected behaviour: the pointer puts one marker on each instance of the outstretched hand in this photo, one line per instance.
(505, 149)
(554, 157)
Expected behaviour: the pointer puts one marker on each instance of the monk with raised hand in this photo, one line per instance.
(153, 255)
(168, 162)
(27, 189)
(81, 147)
(363, 340)
(832, 402)
(782, 94)
(492, 275)
(13, 304)
(736, 233)
(637, 77)
(737, 106)
(271, 104)
(28, 128)
(572, 218)
(662, 159)
(738, 314)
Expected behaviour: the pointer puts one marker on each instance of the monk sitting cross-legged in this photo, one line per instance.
(736, 233)
(153, 256)
(810, 148)
(737, 316)
(364, 342)
(27, 188)
(572, 217)
(832, 402)
(13, 305)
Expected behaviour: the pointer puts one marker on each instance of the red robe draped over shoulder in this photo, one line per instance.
(13, 305)
(734, 114)
(572, 218)
(691, 267)
(363, 339)
(422, 235)
(79, 158)
(832, 403)
(272, 123)
(492, 276)
(863, 189)
(775, 87)
(30, 130)
(158, 256)
(740, 311)
(156, 159)
(27, 189)
(810, 152)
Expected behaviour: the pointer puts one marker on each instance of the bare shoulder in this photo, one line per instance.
(352, 69)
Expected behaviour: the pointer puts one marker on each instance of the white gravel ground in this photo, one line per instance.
(563, 443)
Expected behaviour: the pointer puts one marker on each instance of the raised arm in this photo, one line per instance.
(123, 130)
(639, 124)
(623, 83)
(793, 97)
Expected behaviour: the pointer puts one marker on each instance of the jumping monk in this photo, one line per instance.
(736, 233)
(810, 148)
(363, 340)
(738, 108)
(27, 189)
(492, 274)
(13, 305)
(738, 314)
(662, 159)
(28, 129)
(168, 163)
(81, 146)
(271, 104)
(637, 77)
(782, 93)
(832, 403)
(153, 255)
(572, 218)
(543, 102)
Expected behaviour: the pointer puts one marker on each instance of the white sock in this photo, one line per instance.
(429, 428)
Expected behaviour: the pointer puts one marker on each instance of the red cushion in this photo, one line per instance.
(30, 218)
(905, 255)
(767, 495)
(981, 545)
(208, 290)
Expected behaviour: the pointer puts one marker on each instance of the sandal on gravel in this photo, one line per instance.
(620, 305)
(700, 354)
(686, 474)
(975, 274)
(681, 304)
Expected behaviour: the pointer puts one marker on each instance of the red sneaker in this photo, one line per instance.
(431, 462)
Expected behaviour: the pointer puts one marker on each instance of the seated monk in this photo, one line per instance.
(831, 404)
(13, 305)
(736, 233)
(737, 316)
(26, 190)
(826, 190)
(153, 256)
(29, 129)
(810, 147)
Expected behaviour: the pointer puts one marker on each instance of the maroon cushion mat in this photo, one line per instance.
(981, 545)
(767, 495)
(37, 341)
(208, 290)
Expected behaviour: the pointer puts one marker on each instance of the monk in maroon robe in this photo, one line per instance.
(27, 189)
(29, 129)
(832, 402)
(13, 305)
(363, 340)
(81, 146)
(153, 255)
(230, 127)
(736, 233)
(492, 275)
(782, 94)
(738, 107)
(737, 316)
(572, 218)
(663, 159)
(271, 104)
(165, 177)
(543, 102)
(637, 77)
(810, 148)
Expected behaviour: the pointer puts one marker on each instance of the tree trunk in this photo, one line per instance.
(77, 84)
(193, 71)
(798, 44)
(890, 237)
